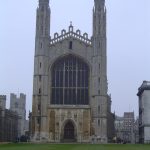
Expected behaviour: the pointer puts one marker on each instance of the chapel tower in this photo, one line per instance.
(40, 93)
(70, 81)
(99, 71)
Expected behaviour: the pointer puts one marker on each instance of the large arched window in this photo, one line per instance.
(70, 81)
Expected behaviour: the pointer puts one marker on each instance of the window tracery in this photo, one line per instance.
(70, 83)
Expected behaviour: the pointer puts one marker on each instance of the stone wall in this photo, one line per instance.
(8, 126)
(80, 117)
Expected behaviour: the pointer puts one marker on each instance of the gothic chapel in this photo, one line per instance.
(70, 100)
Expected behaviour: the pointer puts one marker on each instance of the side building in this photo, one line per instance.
(126, 128)
(18, 104)
(8, 122)
(119, 128)
(128, 125)
(144, 112)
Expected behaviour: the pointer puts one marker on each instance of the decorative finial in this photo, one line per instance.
(70, 23)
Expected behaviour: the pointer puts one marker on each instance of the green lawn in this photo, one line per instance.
(72, 147)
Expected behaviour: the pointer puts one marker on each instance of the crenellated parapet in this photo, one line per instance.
(70, 33)
(145, 86)
(3, 97)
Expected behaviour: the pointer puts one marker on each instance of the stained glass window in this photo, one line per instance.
(70, 81)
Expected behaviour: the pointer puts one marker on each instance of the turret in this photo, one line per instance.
(99, 72)
(42, 27)
(100, 41)
(99, 18)
(43, 19)
(40, 90)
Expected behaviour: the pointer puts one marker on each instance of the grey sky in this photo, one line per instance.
(128, 33)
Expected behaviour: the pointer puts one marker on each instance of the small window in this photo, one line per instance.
(39, 90)
(70, 45)
(98, 92)
(99, 80)
(41, 45)
(40, 78)
(16, 105)
(42, 29)
(39, 107)
(98, 122)
(98, 109)
(38, 120)
(40, 64)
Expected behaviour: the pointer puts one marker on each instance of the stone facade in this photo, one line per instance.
(128, 125)
(3, 101)
(126, 128)
(80, 116)
(119, 127)
(55, 118)
(18, 104)
(8, 122)
(144, 112)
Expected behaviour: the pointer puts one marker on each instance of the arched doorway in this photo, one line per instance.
(69, 131)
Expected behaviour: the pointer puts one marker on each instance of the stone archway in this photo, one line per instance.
(69, 131)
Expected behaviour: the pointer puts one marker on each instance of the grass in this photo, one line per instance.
(72, 147)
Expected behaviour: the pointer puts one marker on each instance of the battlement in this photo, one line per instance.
(145, 86)
(146, 83)
(21, 96)
(70, 33)
(3, 97)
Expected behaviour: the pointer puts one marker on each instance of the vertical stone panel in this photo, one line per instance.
(52, 125)
(86, 124)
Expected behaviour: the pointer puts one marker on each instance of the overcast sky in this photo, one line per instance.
(128, 50)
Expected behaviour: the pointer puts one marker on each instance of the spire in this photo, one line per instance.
(43, 19)
(70, 23)
(43, 2)
(99, 3)
(99, 18)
